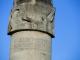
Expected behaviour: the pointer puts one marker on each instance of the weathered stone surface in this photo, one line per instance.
(30, 20)
(37, 16)
(30, 45)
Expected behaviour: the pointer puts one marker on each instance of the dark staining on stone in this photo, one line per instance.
(17, 9)
(53, 18)
(9, 27)
(42, 18)
(48, 14)
(19, 1)
(51, 21)
(43, 54)
(11, 16)
(54, 13)
(47, 26)
(27, 19)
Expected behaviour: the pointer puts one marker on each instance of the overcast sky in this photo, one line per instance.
(66, 45)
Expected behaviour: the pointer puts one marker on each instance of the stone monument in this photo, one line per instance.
(31, 29)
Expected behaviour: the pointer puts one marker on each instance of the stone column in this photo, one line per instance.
(31, 29)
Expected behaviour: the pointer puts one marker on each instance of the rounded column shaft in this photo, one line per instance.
(30, 45)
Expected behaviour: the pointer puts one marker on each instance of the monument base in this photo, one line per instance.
(30, 45)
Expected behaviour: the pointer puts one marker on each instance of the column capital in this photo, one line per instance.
(29, 17)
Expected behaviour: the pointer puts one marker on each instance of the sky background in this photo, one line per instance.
(65, 45)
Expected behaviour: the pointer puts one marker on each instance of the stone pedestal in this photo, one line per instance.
(30, 45)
